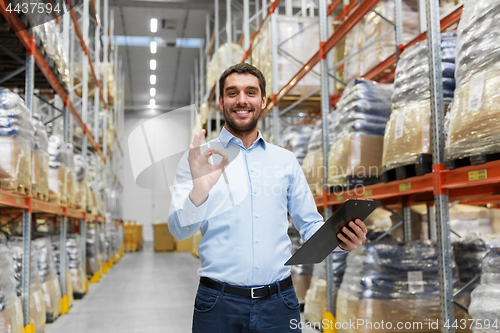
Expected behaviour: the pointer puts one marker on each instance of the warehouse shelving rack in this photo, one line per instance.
(46, 79)
(476, 184)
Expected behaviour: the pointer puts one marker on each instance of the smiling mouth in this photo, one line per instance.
(242, 111)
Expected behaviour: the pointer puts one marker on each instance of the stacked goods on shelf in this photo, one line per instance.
(93, 259)
(473, 134)
(40, 171)
(50, 283)
(393, 282)
(470, 252)
(110, 72)
(298, 40)
(11, 314)
(132, 233)
(49, 36)
(16, 142)
(70, 176)
(407, 140)
(371, 28)
(58, 164)
(467, 219)
(374, 33)
(36, 303)
(296, 139)
(357, 134)
(221, 59)
(312, 165)
(495, 220)
(485, 299)
(81, 187)
(315, 299)
(301, 274)
(55, 240)
(204, 111)
(78, 277)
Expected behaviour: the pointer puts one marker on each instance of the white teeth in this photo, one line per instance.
(241, 112)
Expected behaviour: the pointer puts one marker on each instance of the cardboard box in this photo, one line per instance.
(495, 220)
(163, 239)
(184, 246)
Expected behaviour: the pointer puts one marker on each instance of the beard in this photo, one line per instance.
(241, 129)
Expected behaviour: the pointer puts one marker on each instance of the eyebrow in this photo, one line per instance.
(249, 87)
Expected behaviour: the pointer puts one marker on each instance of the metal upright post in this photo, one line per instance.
(85, 71)
(406, 221)
(288, 8)
(229, 32)
(25, 283)
(196, 85)
(264, 5)
(216, 48)
(246, 26)
(274, 67)
(431, 217)
(398, 21)
(303, 4)
(202, 75)
(438, 140)
(311, 9)
(325, 110)
(422, 26)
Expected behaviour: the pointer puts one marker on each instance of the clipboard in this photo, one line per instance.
(325, 240)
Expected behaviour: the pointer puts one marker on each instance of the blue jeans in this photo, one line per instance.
(220, 312)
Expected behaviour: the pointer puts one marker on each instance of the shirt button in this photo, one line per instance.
(256, 216)
(257, 241)
(189, 228)
(194, 213)
(255, 192)
(257, 266)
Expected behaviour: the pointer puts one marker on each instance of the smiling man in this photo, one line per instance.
(244, 284)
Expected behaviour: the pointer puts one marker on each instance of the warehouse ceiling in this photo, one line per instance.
(186, 19)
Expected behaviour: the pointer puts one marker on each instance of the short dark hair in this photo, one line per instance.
(243, 68)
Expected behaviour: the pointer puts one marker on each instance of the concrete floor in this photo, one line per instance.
(145, 292)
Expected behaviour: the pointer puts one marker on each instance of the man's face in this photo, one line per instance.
(242, 103)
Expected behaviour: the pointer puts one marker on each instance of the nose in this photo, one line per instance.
(242, 99)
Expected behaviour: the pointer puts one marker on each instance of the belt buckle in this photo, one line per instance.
(253, 292)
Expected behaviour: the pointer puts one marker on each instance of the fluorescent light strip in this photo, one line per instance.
(152, 92)
(152, 64)
(152, 79)
(152, 47)
(154, 25)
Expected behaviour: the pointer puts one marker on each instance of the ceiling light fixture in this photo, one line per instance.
(152, 79)
(152, 46)
(154, 25)
(152, 102)
(152, 64)
(152, 92)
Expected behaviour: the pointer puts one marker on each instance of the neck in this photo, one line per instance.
(248, 138)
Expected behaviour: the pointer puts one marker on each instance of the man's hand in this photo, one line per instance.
(205, 175)
(355, 239)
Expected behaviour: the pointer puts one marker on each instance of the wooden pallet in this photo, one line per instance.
(451, 164)
(422, 166)
(354, 182)
(71, 205)
(40, 196)
(19, 189)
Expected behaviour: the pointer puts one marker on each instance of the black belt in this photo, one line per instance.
(257, 292)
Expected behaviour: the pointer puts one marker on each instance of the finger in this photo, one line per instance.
(348, 244)
(198, 138)
(350, 234)
(359, 232)
(362, 225)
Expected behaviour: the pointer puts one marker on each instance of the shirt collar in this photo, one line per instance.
(225, 137)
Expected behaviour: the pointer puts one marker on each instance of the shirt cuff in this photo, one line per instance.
(340, 250)
(193, 214)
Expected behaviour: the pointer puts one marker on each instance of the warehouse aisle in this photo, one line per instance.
(146, 292)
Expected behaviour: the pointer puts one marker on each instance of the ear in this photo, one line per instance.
(221, 103)
(264, 101)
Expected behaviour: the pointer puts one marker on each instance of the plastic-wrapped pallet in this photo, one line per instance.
(373, 27)
(51, 39)
(58, 164)
(50, 282)
(78, 276)
(407, 136)
(485, 299)
(470, 220)
(11, 314)
(357, 134)
(393, 282)
(296, 139)
(224, 62)
(81, 182)
(312, 165)
(55, 240)
(40, 171)
(16, 142)
(94, 260)
(470, 252)
(70, 176)
(36, 303)
(475, 113)
(315, 300)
